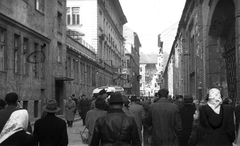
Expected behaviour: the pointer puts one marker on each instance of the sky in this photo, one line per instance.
(148, 18)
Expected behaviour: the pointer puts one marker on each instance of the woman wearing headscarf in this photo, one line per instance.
(217, 119)
(14, 131)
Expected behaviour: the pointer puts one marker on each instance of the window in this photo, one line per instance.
(40, 4)
(93, 77)
(25, 105)
(2, 49)
(68, 16)
(16, 53)
(59, 50)
(59, 22)
(75, 16)
(35, 108)
(25, 52)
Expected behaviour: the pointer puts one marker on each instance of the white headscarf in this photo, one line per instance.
(215, 100)
(18, 121)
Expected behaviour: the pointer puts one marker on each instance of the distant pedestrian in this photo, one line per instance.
(51, 130)
(178, 100)
(2, 104)
(84, 107)
(115, 128)
(138, 112)
(218, 121)
(74, 98)
(186, 113)
(165, 121)
(93, 115)
(11, 100)
(70, 108)
(125, 108)
(197, 133)
(14, 131)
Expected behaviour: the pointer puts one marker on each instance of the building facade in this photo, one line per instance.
(100, 23)
(132, 46)
(205, 51)
(149, 83)
(32, 50)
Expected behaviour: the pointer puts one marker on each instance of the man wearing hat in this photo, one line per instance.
(186, 113)
(51, 130)
(12, 103)
(165, 121)
(84, 105)
(138, 113)
(115, 126)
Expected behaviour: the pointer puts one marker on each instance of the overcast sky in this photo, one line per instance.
(148, 18)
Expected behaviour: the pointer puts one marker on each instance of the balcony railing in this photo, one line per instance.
(78, 37)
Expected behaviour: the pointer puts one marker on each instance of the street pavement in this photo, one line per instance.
(74, 137)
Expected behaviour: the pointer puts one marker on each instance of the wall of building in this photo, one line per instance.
(209, 48)
(28, 28)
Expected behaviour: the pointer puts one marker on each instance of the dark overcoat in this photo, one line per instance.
(165, 119)
(224, 135)
(186, 113)
(51, 131)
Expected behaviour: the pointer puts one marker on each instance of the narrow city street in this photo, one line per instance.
(74, 133)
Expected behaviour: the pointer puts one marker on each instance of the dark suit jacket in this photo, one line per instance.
(51, 131)
(223, 135)
(20, 138)
(6, 113)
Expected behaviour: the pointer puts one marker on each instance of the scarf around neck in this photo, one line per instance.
(18, 121)
(215, 100)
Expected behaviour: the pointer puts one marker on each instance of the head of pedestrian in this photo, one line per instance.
(100, 103)
(11, 98)
(51, 107)
(116, 100)
(134, 98)
(188, 99)
(215, 97)
(69, 98)
(163, 93)
(179, 97)
(84, 96)
(126, 102)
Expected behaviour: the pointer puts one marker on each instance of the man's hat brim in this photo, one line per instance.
(51, 111)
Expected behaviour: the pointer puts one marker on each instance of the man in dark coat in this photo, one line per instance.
(11, 100)
(186, 113)
(115, 126)
(84, 105)
(51, 130)
(138, 112)
(165, 119)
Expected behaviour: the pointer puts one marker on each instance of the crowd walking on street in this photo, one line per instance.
(117, 119)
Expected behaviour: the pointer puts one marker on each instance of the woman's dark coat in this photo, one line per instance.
(223, 135)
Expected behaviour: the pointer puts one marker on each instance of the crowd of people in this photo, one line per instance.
(113, 119)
